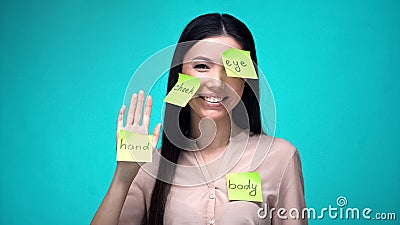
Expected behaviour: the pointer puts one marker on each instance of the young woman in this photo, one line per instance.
(218, 132)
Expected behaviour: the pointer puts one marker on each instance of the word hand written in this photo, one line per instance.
(133, 142)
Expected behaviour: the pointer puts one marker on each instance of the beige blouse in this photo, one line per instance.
(199, 193)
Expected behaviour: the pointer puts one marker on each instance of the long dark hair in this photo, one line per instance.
(204, 26)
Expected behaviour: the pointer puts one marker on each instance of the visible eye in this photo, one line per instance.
(201, 66)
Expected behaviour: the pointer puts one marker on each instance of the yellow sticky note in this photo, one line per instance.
(133, 147)
(238, 63)
(244, 186)
(183, 90)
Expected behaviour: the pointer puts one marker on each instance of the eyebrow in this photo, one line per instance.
(202, 58)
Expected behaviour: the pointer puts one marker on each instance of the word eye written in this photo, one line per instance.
(237, 65)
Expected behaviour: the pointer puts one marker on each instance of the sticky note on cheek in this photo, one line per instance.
(244, 186)
(183, 90)
(238, 63)
(133, 147)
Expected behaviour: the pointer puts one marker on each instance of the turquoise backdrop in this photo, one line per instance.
(333, 67)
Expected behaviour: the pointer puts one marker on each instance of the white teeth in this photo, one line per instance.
(213, 99)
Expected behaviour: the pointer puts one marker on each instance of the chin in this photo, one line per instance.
(213, 115)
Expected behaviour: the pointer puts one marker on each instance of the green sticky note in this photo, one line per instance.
(238, 63)
(133, 147)
(183, 90)
(244, 186)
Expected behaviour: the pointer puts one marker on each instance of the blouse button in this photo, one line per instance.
(212, 221)
(212, 196)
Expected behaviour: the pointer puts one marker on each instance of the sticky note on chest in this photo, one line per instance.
(244, 186)
(133, 147)
(183, 90)
(238, 63)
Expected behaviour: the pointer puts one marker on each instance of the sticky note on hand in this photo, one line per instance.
(133, 147)
(238, 63)
(183, 90)
(244, 186)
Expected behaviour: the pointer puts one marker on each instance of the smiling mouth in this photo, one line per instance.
(212, 99)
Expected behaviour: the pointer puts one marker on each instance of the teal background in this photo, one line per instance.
(333, 67)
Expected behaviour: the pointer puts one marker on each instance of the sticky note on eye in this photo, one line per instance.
(183, 90)
(238, 63)
(244, 186)
(133, 147)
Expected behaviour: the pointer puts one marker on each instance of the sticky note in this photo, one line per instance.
(244, 186)
(134, 147)
(183, 90)
(238, 63)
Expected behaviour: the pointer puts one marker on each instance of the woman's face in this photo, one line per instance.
(218, 94)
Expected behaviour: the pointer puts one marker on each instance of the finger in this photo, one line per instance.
(131, 112)
(147, 112)
(156, 134)
(139, 108)
(120, 120)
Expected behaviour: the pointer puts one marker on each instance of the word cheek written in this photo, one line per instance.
(185, 89)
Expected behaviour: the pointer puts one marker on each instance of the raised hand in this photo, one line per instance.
(134, 122)
(110, 209)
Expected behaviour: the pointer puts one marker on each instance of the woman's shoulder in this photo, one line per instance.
(284, 145)
(269, 149)
(273, 143)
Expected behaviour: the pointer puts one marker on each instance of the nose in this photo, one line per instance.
(216, 79)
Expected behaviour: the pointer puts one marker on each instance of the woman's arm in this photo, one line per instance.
(111, 206)
(125, 172)
(291, 195)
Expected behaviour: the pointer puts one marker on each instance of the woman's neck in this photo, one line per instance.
(216, 133)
